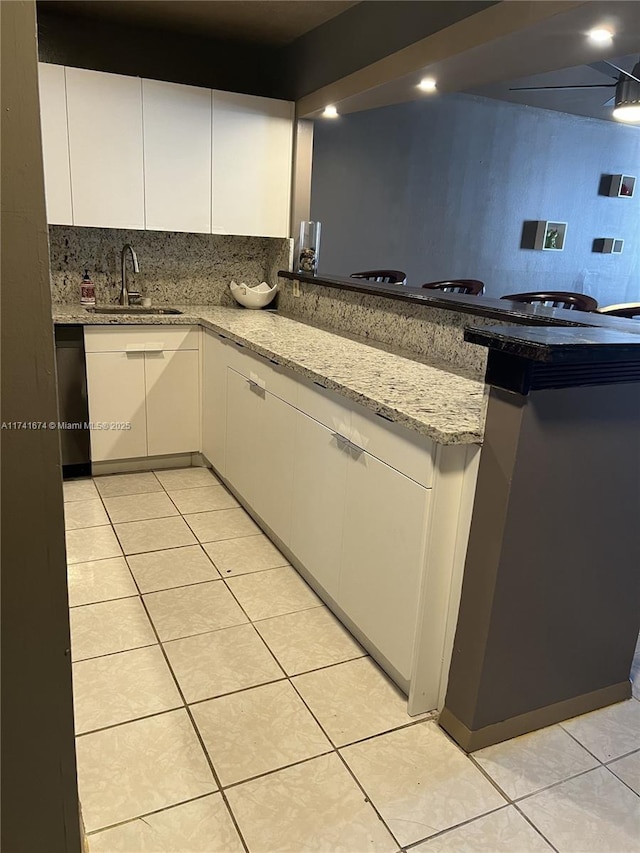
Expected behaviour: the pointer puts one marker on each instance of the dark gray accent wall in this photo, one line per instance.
(39, 790)
(440, 188)
(363, 34)
(99, 45)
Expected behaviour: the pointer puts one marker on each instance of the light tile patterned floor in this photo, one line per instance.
(221, 708)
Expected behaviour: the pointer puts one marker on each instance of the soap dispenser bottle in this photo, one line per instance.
(87, 291)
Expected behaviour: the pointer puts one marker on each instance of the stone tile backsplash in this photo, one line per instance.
(431, 333)
(175, 267)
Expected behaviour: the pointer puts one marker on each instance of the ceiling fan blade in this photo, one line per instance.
(602, 68)
(622, 71)
(584, 86)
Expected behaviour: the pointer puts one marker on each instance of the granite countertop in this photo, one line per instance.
(446, 405)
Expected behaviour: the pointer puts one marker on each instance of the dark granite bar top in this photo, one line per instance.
(483, 306)
(553, 345)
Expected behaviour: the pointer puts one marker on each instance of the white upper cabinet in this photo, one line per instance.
(55, 144)
(122, 152)
(177, 156)
(105, 143)
(252, 150)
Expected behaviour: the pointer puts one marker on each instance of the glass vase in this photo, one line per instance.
(309, 247)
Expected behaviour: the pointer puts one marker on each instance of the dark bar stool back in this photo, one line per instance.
(382, 276)
(470, 286)
(629, 309)
(556, 299)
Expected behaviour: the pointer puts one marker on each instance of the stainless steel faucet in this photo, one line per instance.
(124, 291)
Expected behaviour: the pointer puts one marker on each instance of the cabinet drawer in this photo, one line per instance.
(324, 406)
(401, 448)
(140, 338)
(267, 374)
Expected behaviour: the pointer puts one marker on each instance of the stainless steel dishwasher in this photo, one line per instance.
(73, 404)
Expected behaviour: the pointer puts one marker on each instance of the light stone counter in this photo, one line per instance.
(444, 404)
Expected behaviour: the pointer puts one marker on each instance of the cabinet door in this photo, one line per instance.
(173, 413)
(214, 400)
(275, 495)
(116, 390)
(246, 463)
(252, 150)
(177, 156)
(55, 143)
(105, 144)
(319, 485)
(383, 555)
(259, 451)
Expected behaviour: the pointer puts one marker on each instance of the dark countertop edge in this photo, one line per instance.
(559, 345)
(481, 306)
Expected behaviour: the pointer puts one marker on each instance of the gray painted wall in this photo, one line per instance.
(441, 189)
(39, 789)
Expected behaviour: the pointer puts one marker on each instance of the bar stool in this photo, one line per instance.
(556, 299)
(625, 309)
(471, 286)
(382, 276)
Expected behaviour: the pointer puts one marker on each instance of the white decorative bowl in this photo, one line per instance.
(253, 297)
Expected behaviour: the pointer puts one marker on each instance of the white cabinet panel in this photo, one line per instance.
(172, 393)
(127, 338)
(259, 458)
(214, 400)
(116, 390)
(276, 488)
(383, 556)
(319, 487)
(177, 156)
(105, 142)
(246, 463)
(252, 150)
(55, 143)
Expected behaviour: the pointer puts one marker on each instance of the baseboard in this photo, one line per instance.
(146, 463)
(471, 740)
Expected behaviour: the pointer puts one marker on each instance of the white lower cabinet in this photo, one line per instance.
(318, 507)
(116, 391)
(376, 514)
(214, 400)
(147, 377)
(383, 553)
(259, 462)
(173, 397)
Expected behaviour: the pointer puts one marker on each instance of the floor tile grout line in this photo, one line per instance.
(580, 744)
(150, 814)
(278, 769)
(509, 801)
(413, 844)
(101, 601)
(535, 827)
(111, 654)
(624, 782)
(610, 761)
(195, 728)
(121, 723)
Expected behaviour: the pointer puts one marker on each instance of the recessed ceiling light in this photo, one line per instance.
(330, 112)
(627, 112)
(600, 35)
(427, 84)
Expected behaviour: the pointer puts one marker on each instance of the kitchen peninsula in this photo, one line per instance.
(537, 577)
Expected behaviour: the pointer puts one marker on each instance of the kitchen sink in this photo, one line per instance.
(132, 309)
